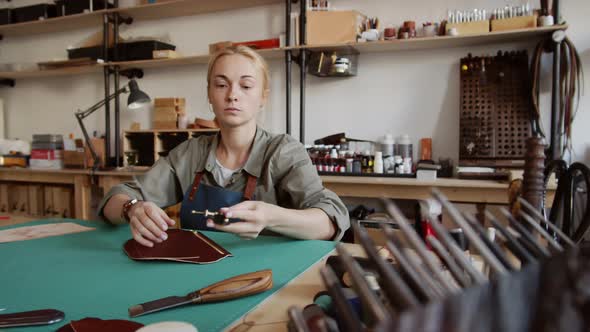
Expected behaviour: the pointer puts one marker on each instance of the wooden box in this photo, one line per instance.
(514, 23)
(82, 158)
(470, 28)
(169, 102)
(333, 27)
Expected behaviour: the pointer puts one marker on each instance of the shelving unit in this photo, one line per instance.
(179, 8)
(69, 71)
(152, 144)
(56, 24)
(162, 10)
(440, 42)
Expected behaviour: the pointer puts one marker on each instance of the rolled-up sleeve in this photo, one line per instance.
(159, 185)
(301, 186)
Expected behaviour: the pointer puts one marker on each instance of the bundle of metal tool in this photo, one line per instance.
(534, 278)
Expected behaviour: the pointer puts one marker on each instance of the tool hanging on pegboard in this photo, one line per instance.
(495, 118)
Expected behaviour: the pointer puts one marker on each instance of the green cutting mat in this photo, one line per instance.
(88, 275)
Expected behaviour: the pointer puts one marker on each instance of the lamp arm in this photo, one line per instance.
(82, 114)
(87, 140)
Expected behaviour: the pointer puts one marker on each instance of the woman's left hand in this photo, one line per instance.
(255, 216)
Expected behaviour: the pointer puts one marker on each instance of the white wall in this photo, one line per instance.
(413, 92)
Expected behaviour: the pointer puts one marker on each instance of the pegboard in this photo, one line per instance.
(495, 110)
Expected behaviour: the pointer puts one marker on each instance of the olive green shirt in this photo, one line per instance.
(286, 176)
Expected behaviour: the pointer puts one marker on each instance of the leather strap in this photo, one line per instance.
(196, 183)
(248, 191)
(250, 187)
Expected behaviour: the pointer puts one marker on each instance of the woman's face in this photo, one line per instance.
(236, 90)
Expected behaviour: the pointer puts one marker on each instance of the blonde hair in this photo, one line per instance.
(249, 53)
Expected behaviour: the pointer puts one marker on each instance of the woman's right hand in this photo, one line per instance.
(149, 223)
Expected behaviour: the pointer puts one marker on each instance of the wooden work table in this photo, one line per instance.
(466, 191)
(457, 190)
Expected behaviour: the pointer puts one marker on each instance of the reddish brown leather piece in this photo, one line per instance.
(181, 246)
(195, 187)
(250, 187)
(98, 325)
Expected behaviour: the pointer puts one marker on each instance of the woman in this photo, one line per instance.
(266, 181)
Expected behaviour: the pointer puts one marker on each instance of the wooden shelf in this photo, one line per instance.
(443, 41)
(275, 53)
(152, 131)
(278, 53)
(56, 24)
(52, 72)
(187, 8)
(144, 12)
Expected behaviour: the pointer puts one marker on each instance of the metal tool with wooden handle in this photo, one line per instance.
(228, 289)
(30, 318)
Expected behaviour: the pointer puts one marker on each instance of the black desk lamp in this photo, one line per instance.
(137, 99)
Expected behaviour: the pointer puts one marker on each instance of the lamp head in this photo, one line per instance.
(137, 98)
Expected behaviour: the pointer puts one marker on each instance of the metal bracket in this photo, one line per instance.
(132, 73)
(297, 58)
(7, 82)
(126, 20)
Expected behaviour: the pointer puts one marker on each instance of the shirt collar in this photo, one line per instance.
(255, 160)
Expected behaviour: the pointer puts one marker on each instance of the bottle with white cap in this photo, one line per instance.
(378, 163)
(387, 145)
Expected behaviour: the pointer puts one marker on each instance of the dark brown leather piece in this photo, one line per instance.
(98, 325)
(181, 246)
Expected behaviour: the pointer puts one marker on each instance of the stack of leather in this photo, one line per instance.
(167, 111)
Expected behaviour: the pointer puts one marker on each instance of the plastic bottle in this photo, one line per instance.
(378, 163)
(387, 146)
(404, 147)
(369, 161)
(343, 144)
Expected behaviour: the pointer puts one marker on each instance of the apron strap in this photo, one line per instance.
(196, 183)
(250, 187)
(248, 191)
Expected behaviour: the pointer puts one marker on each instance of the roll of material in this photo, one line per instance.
(168, 327)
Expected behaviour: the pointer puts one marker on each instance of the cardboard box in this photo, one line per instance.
(333, 27)
(213, 48)
(169, 102)
(165, 114)
(164, 125)
(164, 54)
(82, 158)
(514, 23)
(470, 28)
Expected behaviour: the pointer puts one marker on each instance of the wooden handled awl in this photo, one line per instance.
(228, 289)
